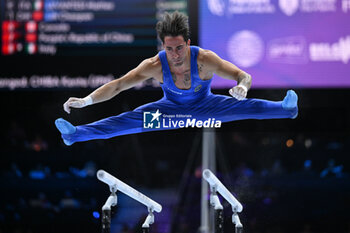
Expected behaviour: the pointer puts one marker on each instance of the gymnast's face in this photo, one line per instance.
(176, 49)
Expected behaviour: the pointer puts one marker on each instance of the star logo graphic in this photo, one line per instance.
(156, 115)
(151, 119)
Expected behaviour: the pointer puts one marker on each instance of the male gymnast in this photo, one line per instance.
(184, 73)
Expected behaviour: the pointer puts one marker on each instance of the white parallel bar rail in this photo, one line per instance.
(215, 182)
(126, 189)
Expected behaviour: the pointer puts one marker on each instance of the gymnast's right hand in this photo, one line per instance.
(74, 102)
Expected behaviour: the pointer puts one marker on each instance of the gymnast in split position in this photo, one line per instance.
(184, 73)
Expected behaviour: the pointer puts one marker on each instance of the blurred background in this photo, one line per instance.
(290, 175)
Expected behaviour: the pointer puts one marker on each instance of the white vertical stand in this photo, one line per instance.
(208, 162)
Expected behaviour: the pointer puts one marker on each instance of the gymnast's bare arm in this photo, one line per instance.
(210, 63)
(147, 69)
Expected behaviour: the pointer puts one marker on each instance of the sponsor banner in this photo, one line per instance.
(231, 7)
(245, 48)
(281, 43)
(288, 50)
(290, 7)
(337, 51)
(345, 5)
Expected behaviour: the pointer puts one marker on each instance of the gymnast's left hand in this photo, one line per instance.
(239, 92)
(73, 102)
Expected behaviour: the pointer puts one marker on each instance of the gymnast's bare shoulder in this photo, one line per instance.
(154, 68)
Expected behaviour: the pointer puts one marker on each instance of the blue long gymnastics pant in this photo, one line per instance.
(220, 107)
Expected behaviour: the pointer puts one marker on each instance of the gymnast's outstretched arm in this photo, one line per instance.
(147, 69)
(212, 63)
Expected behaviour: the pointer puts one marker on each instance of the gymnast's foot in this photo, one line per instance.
(65, 128)
(290, 102)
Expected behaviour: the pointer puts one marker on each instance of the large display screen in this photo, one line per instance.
(73, 43)
(281, 43)
(81, 27)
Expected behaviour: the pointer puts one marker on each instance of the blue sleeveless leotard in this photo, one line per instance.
(197, 102)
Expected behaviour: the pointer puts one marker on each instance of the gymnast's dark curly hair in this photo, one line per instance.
(173, 24)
